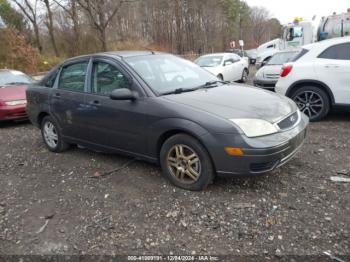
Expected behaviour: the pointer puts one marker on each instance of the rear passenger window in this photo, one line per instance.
(73, 76)
(338, 52)
(49, 81)
(299, 55)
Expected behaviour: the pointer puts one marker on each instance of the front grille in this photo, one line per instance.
(289, 121)
(272, 76)
(263, 167)
(268, 85)
(21, 114)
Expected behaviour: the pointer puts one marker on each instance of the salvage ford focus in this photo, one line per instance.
(167, 110)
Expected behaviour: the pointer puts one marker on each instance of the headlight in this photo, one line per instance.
(16, 102)
(259, 74)
(255, 127)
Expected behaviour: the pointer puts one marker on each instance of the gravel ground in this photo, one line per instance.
(49, 204)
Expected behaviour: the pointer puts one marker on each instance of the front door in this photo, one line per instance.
(115, 124)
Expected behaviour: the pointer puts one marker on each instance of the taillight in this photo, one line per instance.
(286, 69)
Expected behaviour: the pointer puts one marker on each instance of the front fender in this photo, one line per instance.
(172, 125)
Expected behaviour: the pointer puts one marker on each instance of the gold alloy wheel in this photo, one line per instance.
(184, 164)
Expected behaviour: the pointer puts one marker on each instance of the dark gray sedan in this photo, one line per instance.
(166, 110)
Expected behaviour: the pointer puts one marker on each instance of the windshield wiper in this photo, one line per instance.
(212, 84)
(179, 91)
(209, 84)
(16, 83)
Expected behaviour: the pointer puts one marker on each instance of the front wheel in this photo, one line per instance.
(52, 136)
(186, 163)
(313, 102)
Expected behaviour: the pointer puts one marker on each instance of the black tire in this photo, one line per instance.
(245, 75)
(203, 164)
(60, 145)
(220, 76)
(312, 101)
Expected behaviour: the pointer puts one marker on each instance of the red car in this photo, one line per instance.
(13, 102)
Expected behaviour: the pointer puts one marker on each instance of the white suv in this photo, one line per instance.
(318, 79)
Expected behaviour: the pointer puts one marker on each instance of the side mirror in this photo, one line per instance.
(123, 94)
(264, 63)
(227, 63)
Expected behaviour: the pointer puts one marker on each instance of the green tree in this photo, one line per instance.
(276, 28)
(231, 11)
(11, 17)
(236, 15)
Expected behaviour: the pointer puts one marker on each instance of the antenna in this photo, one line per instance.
(149, 49)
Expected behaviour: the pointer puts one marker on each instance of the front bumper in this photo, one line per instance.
(266, 84)
(13, 112)
(261, 155)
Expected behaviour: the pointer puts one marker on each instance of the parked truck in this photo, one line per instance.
(302, 32)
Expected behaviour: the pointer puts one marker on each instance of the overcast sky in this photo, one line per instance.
(287, 10)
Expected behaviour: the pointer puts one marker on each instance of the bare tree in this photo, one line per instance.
(101, 13)
(30, 11)
(71, 9)
(179, 26)
(50, 26)
(259, 18)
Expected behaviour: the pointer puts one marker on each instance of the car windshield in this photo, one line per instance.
(167, 73)
(282, 58)
(8, 78)
(209, 61)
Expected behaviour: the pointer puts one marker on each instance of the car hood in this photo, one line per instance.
(9, 93)
(238, 101)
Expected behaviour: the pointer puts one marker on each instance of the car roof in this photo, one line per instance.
(294, 50)
(329, 42)
(218, 54)
(118, 54)
(11, 71)
(125, 54)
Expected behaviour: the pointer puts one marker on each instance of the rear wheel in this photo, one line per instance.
(313, 102)
(186, 163)
(52, 136)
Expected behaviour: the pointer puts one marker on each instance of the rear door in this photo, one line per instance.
(115, 124)
(67, 99)
(333, 68)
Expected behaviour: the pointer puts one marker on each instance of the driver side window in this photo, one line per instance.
(228, 61)
(236, 58)
(106, 78)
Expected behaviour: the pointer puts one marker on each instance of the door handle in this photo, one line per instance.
(95, 102)
(57, 95)
(332, 66)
